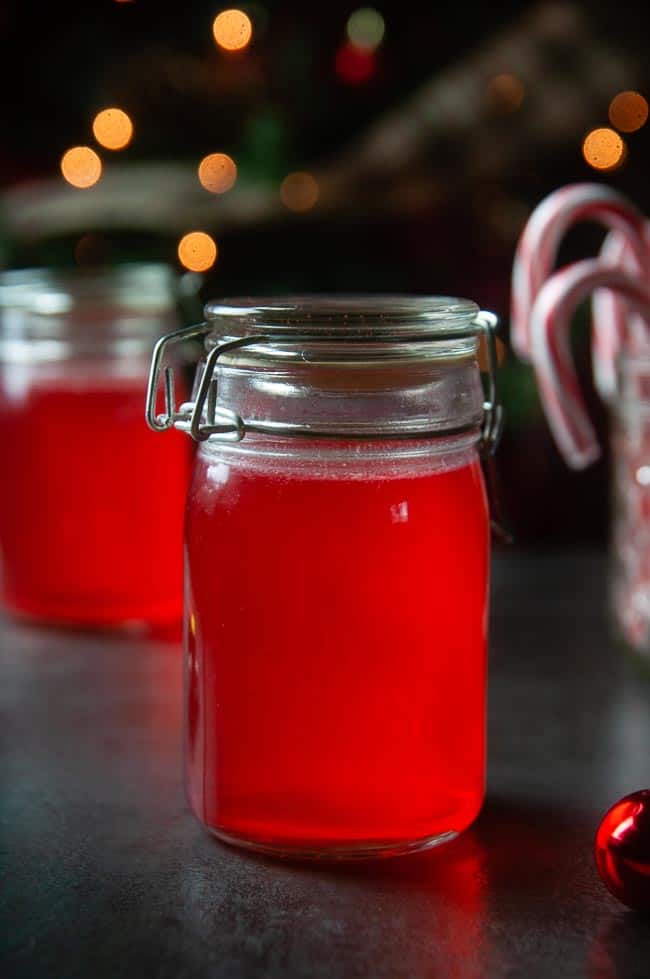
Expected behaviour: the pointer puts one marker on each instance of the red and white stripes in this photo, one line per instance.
(543, 303)
(611, 318)
(543, 234)
(551, 355)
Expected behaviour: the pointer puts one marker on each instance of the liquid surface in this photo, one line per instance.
(91, 502)
(336, 640)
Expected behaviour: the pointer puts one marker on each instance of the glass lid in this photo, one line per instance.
(345, 317)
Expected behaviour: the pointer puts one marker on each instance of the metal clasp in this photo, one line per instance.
(206, 417)
(201, 417)
(492, 427)
(171, 415)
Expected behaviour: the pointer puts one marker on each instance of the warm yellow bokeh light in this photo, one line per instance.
(232, 30)
(365, 28)
(603, 149)
(506, 92)
(81, 166)
(217, 172)
(299, 191)
(112, 129)
(628, 111)
(197, 251)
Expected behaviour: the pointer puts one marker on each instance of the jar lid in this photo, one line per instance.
(341, 317)
(352, 345)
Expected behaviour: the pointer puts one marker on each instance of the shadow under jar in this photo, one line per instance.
(337, 541)
(86, 487)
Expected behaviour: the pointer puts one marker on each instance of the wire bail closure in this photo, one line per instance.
(203, 418)
(488, 324)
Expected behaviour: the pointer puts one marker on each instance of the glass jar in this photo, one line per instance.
(337, 540)
(630, 576)
(86, 487)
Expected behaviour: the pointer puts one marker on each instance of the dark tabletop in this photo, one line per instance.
(106, 874)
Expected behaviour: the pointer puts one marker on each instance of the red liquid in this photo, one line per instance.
(91, 501)
(336, 652)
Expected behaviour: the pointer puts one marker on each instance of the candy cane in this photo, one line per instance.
(610, 316)
(551, 356)
(541, 238)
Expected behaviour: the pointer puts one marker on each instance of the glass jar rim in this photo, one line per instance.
(343, 317)
(130, 287)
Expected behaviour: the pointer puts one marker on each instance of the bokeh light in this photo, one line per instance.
(506, 92)
(628, 111)
(232, 30)
(354, 65)
(299, 191)
(113, 129)
(365, 28)
(217, 172)
(603, 149)
(197, 251)
(81, 166)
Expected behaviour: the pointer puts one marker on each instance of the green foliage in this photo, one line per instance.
(263, 156)
(519, 396)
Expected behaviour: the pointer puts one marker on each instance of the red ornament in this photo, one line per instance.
(622, 850)
(354, 65)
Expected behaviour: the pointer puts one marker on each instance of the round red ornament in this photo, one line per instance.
(622, 850)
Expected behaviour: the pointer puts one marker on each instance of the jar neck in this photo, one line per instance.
(344, 458)
(374, 400)
(117, 312)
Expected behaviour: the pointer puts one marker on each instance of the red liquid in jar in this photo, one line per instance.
(336, 642)
(91, 501)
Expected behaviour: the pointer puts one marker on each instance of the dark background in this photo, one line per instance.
(106, 874)
(434, 203)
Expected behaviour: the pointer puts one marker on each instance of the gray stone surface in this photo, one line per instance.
(106, 874)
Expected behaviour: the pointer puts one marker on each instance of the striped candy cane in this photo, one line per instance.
(551, 356)
(610, 314)
(537, 248)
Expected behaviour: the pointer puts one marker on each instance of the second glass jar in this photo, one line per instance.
(630, 544)
(86, 487)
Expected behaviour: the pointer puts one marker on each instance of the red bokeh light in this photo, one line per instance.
(355, 65)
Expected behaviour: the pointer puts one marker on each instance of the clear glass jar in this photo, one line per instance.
(337, 539)
(86, 487)
(630, 576)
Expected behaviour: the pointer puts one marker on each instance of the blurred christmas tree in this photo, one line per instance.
(336, 149)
